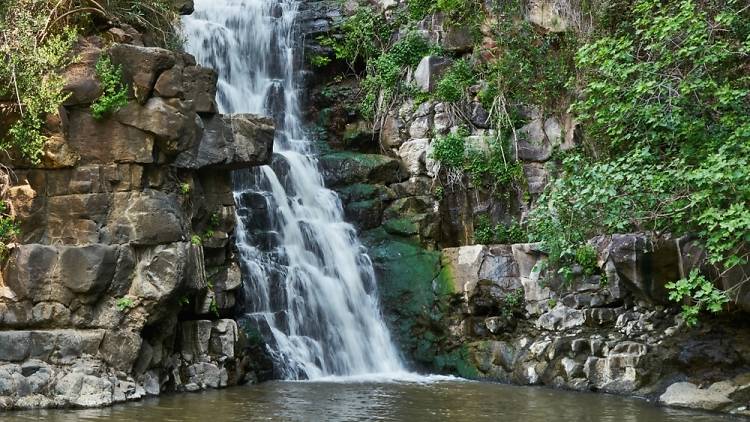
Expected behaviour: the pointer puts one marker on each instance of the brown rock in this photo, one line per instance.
(170, 121)
(141, 66)
(107, 141)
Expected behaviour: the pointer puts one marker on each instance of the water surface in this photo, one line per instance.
(370, 401)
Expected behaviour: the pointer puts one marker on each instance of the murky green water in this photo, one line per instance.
(439, 401)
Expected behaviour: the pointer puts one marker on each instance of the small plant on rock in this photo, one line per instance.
(114, 92)
(124, 303)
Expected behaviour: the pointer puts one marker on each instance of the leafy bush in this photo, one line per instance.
(701, 294)
(365, 35)
(385, 73)
(31, 58)
(455, 82)
(666, 110)
(8, 229)
(114, 92)
(483, 232)
(449, 150)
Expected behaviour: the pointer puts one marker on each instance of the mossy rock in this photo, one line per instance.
(346, 168)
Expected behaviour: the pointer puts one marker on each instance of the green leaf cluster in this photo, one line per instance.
(29, 75)
(114, 92)
(700, 293)
(665, 104)
(456, 81)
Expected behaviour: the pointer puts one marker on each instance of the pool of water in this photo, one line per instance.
(448, 400)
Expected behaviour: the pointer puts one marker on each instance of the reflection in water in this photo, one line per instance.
(413, 402)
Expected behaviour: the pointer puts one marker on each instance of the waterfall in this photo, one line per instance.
(310, 284)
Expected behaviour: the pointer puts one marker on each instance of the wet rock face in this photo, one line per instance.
(107, 297)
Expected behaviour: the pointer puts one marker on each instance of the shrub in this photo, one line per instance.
(8, 229)
(114, 92)
(449, 150)
(454, 83)
(31, 59)
(666, 111)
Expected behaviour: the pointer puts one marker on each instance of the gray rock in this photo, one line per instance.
(81, 390)
(686, 394)
(413, 154)
(231, 142)
(429, 71)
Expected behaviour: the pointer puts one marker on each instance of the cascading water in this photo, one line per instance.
(310, 283)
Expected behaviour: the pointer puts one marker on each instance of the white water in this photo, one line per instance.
(310, 284)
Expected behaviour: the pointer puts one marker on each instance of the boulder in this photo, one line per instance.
(687, 394)
(106, 141)
(429, 71)
(82, 390)
(231, 142)
(60, 273)
(150, 217)
(390, 133)
(642, 264)
(537, 139)
(175, 127)
(184, 7)
(344, 168)
(141, 66)
(413, 153)
(81, 82)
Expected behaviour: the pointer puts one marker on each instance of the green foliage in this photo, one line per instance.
(124, 303)
(449, 150)
(185, 188)
(319, 60)
(365, 35)
(511, 233)
(586, 257)
(114, 92)
(455, 82)
(439, 193)
(8, 229)
(506, 234)
(214, 220)
(531, 68)
(213, 307)
(196, 240)
(493, 169)
(512, 303)
(29, 74)
(700, 293)
(385, 73)
(483, 232)
(666, 108)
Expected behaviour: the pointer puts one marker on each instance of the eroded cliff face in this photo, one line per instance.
(124, 280)
(497, 311)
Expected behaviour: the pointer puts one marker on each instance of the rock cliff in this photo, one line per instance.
(124, 279)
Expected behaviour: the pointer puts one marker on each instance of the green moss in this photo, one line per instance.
(401, 227)
(457, 361)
